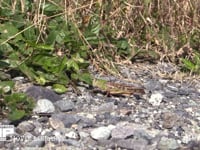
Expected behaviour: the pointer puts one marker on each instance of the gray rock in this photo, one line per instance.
(106, 107)
(65, 105)
(102, 133)
(72, 142)
(25, 127)
(169, 120)
(67, 119)
(172, 88)
(153, 85)
(133, 144)
(38, 92)
(44, 106)
(36, 142)
(168, 144)
(122, 132)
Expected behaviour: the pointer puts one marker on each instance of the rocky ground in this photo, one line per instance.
(166, 117)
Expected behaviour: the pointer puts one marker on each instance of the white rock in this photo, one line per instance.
(72, 135)
(101, 133)
(44, 106)
(156, 99)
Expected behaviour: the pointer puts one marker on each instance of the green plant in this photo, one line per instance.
(192, 65)
(15, 106)
(47, 51)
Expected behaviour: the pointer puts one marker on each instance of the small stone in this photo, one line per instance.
(38, 92)
(169, 120)
(44, 106)
(67, 119)
(156, 99)
(101, 133)
(153, 85)
(172, 88)
(122, 132)
(134, 144)
(36, 142)
(56, 123)
(168, 144)
(25, 127)
(72, 135)
(106, 107)
(83, 134)
(65, 105)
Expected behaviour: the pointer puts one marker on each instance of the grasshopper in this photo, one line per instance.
(111, 88)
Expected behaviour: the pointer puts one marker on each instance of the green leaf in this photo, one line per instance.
(49, 7)
(28, 71)
(19, 105)
(41, 80)
(16, 115)
(8, 30)
(73, 65)
(39, 47)
(86, 77)
(4, 64)
(30, 34)
(6, 86)
(188, 64)
(59, 88)
(52, 37)
(4, 76)
(62, 65)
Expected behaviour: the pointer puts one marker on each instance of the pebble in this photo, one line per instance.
(36, 142)
(38, 92)
(168, 144)
(135, 144)
(65, 105)
(101, 133)
(67, 119)
(122, 132)
(24, 127)
(56, 123)
(44, 106)
(156, 99)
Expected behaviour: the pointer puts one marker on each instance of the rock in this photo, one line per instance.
(168, 144)
(122, 132)
(72, 135)
(67, 119)
(72, 142)
(44, 106)
(25, 127)
(134, 144)
(169, 120)
(102, 133)
(65, 105)
(153, 85)
(38, 92)
(83, 134)
(36, 142)
(56, 123)
(106, 107)
(172, 88)
(156, 99)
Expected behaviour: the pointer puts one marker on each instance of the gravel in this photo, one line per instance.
(166, 117)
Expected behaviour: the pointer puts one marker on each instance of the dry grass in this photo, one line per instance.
(170, 29)
(162, 26)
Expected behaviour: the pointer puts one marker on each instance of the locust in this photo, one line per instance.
(119, 89)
